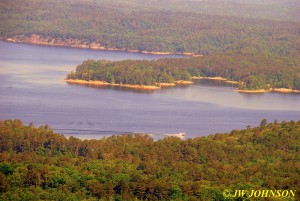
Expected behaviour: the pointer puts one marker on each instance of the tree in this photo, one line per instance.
(263, 122)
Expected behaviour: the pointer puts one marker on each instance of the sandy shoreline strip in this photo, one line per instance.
(285, 90)
(103, 83)
(216, 78)
(279, 90)
(143, 87)
(100, 83)
(232, 82)
(164, 84)
(252, 91)
(184, 82)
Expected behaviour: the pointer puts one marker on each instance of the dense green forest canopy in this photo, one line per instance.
(36, 163)
(252, 72)
(201, 27)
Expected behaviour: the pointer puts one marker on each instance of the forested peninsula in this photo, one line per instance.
(36, 164)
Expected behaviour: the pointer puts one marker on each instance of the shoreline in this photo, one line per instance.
(75, 43)
(103, 83)
(276, 90)
(183, 82)
(179, 82)
(285, 90)
(252, 91)
(216, 78)
(132, 86)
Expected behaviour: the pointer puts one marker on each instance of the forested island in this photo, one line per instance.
(262, 72)
(36, 163)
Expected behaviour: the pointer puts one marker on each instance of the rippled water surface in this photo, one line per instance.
(32, 89)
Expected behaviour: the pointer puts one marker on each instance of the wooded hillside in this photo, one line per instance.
(36, 163)
(182, 26)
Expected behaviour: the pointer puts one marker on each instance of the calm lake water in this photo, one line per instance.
(32, 89)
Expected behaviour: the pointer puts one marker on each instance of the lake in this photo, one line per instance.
(33, 89)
